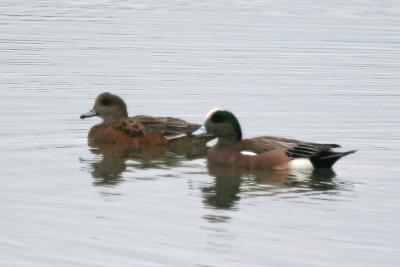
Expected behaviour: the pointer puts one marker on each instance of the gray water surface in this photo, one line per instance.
(322, 72)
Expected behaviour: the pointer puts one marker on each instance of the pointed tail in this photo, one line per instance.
(326, 159)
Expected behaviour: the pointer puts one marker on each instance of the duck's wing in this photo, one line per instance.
(130, 126)
(320, 155)
(169, 127)
(292, 147)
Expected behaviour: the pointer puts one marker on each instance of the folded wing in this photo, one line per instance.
(167, 126)
(320, 155)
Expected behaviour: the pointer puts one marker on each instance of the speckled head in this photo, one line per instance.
(108, 107)
(222, 124)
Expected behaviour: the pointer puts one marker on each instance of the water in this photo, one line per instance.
(323, 72)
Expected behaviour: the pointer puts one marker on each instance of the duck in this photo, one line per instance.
(265, 152)
(118, 128)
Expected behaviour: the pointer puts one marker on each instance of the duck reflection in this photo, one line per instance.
(113, 160)
(231, 183)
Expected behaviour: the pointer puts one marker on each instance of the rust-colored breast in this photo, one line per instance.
(108, 134)
(228, 156)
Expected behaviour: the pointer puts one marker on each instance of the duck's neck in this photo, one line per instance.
(115, 117)
(122, 114)
(228, 140)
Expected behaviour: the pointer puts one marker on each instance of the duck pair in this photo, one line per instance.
(231, 150)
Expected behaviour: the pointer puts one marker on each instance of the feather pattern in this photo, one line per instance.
(292, 147)
(320, 155)
(142, 125)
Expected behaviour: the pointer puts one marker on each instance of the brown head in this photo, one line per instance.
(222, 124)
(108, 107)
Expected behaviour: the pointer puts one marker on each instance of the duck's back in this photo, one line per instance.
(165, 126)
(268, 143)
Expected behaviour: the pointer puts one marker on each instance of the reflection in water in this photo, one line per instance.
(231, 183)
(318, 179)
(109, 168)
(113, 160)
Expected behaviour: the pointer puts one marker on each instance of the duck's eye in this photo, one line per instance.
(217, 117)
(106, 102)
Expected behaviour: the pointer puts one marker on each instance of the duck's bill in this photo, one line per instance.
(91, 113)
(202, 131)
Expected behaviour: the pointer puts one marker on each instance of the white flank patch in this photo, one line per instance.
(300, 164)
(212, 142)
(248, 153)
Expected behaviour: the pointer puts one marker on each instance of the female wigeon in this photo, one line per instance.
(261, 152)
(118, 128)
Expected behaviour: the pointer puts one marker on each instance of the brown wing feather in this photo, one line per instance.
(293, 148)
(131, 126)
(141, 125)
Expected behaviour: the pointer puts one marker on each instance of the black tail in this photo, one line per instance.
(326, 159)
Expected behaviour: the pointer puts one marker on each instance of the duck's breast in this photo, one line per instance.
(106, 134)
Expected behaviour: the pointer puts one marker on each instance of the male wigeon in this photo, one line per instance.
(118, 128)
(262, 152)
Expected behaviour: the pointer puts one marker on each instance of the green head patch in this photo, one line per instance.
(227, 117)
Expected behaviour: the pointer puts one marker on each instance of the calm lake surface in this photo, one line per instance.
(314, 71)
